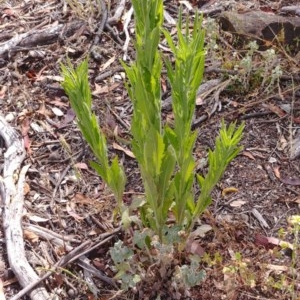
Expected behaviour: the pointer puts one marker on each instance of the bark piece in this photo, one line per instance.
(264, 27)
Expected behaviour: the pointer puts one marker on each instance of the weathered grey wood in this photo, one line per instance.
(295, 9)
(39, 37)
(11, 191)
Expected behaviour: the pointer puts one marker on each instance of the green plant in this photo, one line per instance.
(77, 88)
(256, 70)
(148, 261)
(165, 154)
(189, 275)
(156, 160)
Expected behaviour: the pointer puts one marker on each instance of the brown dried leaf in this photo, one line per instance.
(296, 200)
(9, 12)
(30, 236)
(229, 190)
(26, 188)
(276, 172)
(275, 109)
(248, 154)
(43, 111)
(104, 89)
(71, 211)
(126, 151)
(200, 231)
(59, 279)
(25, 125)
(108, 63)
(58, 103)
(291, 181)
(69, 117)
(82, 199)
(164, 85)
(285, 180)
(277, 268)
(81, 165)
(193, 247)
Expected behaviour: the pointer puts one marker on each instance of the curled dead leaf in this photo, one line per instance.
(30, 236)
(229, 190)
(276, 172)
(126, 151)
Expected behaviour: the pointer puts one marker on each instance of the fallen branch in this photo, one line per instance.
(40, 37)
(11, 191)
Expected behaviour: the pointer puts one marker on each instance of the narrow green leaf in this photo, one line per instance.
(169, 40)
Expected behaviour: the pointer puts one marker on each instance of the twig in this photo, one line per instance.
(260, 218)
(93, 51)
(49, 234)
(115, 37)
(118, 13)
(126, 23)
(64, 173)
(119, 119)
(60, 263)
(84, 263)
(108, 74)
(102, 23)
(72, 256)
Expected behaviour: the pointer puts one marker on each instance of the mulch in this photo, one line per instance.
(66, 205)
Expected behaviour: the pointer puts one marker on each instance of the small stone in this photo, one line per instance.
(10, 117)
(71, 293)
